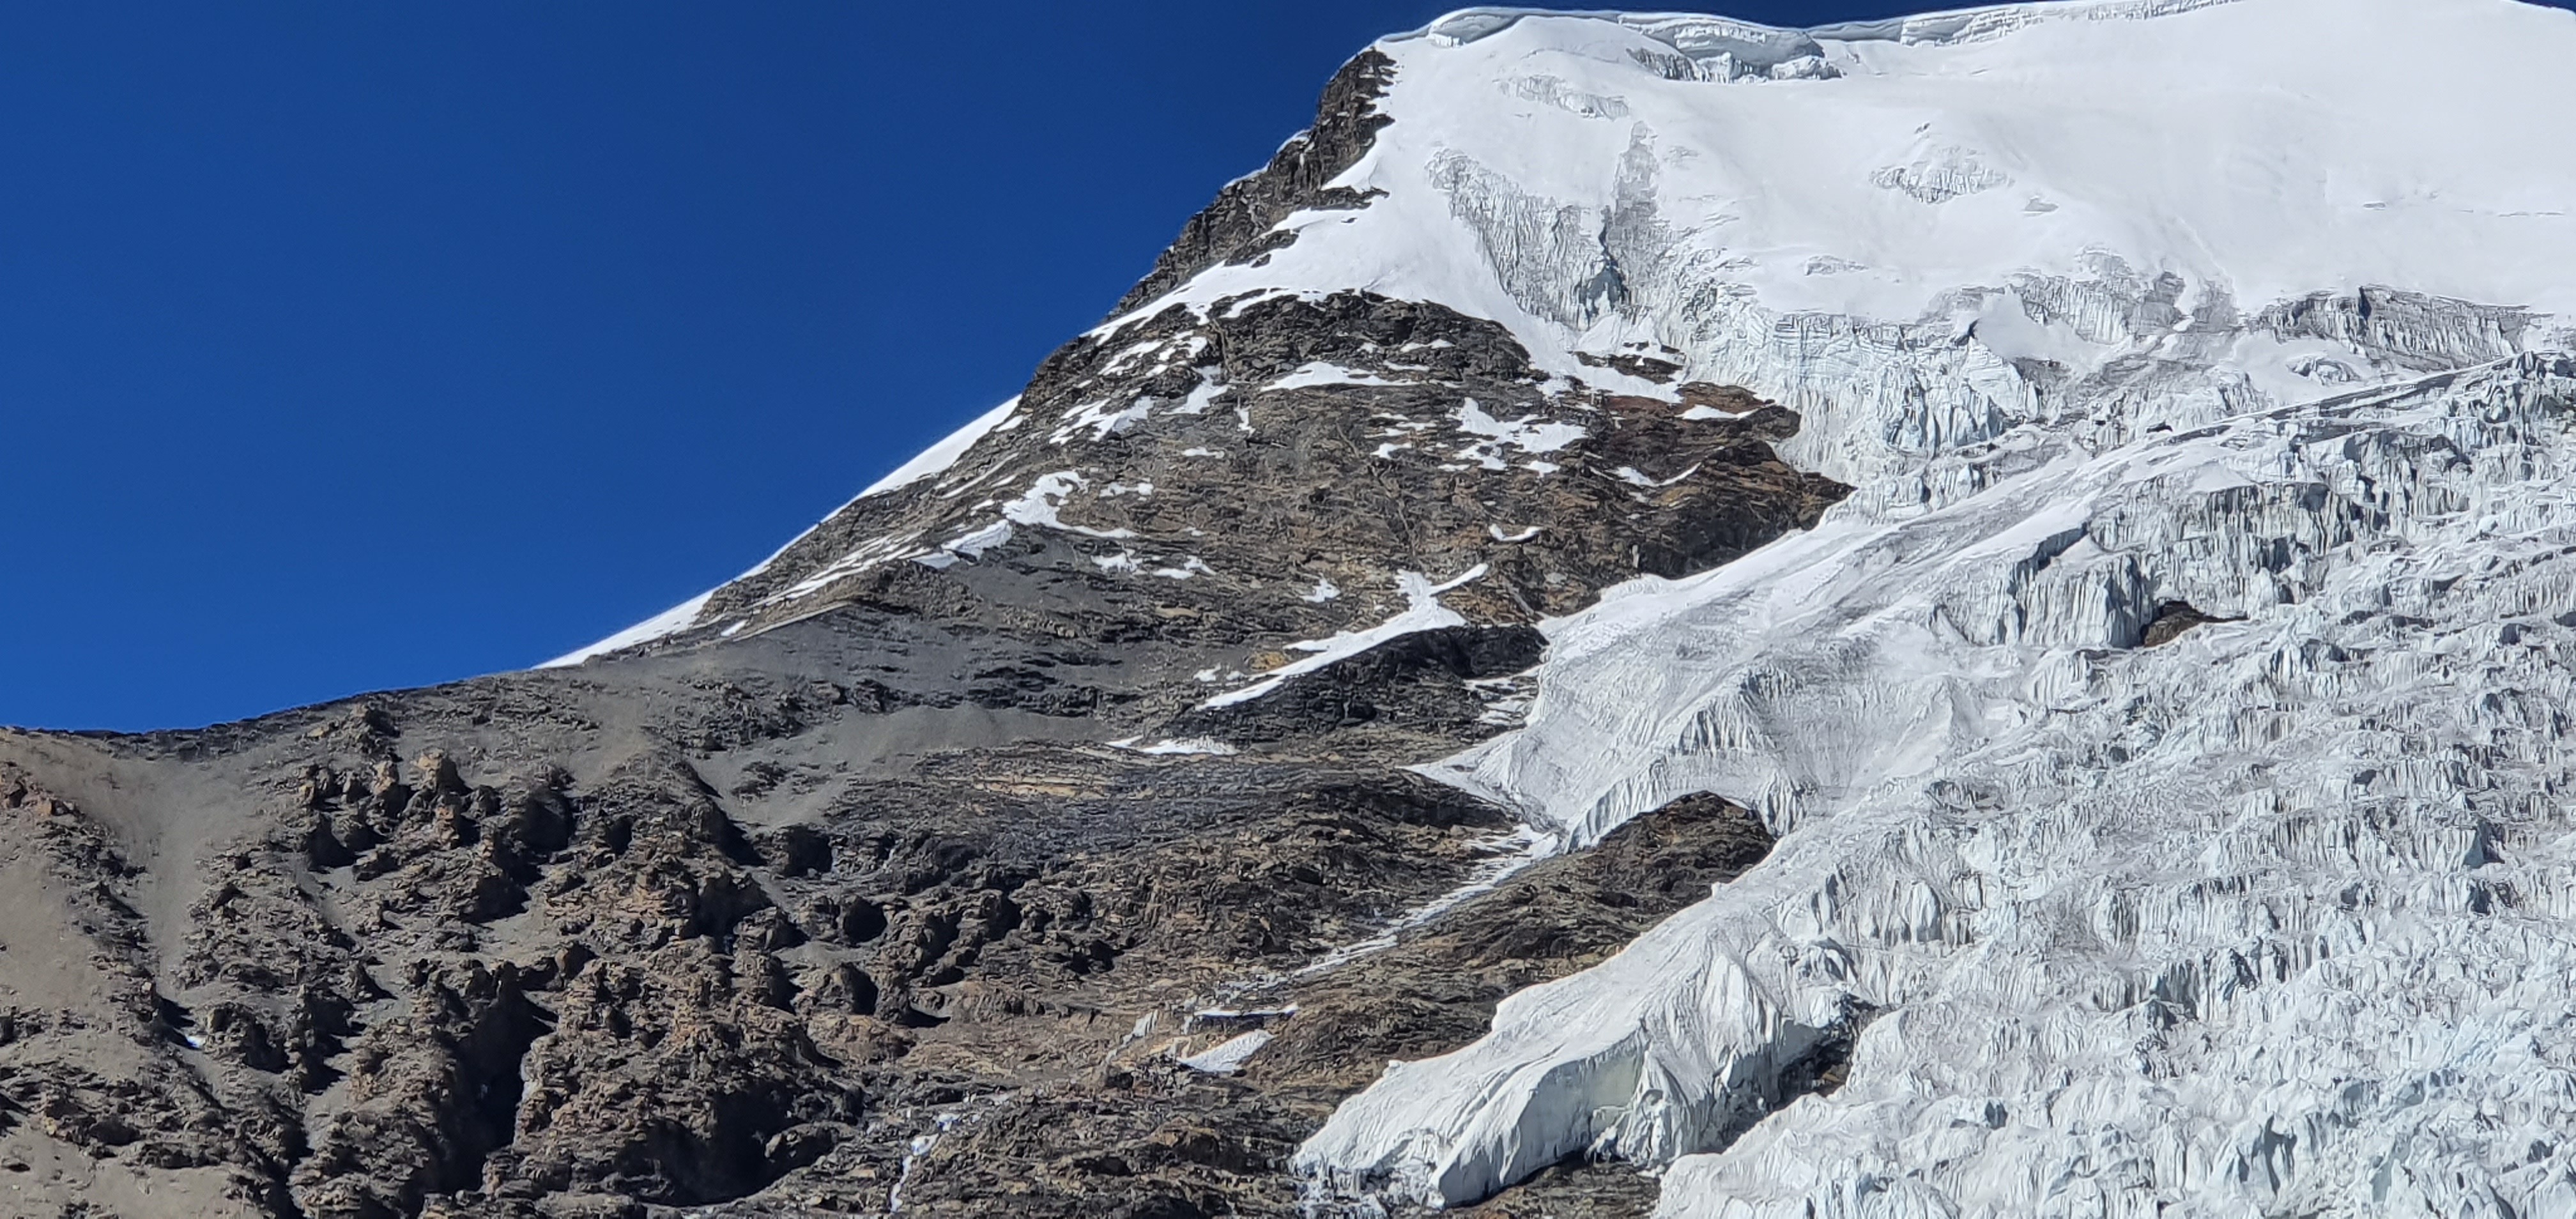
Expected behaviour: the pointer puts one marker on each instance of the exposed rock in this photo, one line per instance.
(1427, 682)
(1385, 436)
(1147, 1136)
(1239, 225)
(2171, 620)
(596, 985)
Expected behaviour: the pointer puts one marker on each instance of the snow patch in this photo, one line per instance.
(1528, 434)
(1045, 497)
(1229, 1056)
(1319, 373)
(1203, 746)
(1422, 612)
(1101, 419)
(1506, 856)
(1202, 396)
(939, 457)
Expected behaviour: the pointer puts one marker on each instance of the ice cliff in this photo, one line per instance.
(2247, 311)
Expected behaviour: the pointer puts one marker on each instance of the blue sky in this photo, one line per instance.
(349, 346)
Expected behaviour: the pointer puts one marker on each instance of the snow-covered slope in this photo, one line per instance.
(1920, 234)
(2101, 307)
(928, 463)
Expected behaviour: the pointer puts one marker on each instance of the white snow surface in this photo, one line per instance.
(1197, 745)
(669, 622)
(1524, 435)
(2273, 919)
(1316, 373)
(2240, 147)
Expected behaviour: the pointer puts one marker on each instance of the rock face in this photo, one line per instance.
(1218, 479)
(1243, 224)
(1954, 616)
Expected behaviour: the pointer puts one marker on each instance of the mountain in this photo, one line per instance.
(1966, 615)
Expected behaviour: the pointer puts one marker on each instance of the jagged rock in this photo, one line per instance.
(1240, 225)
(739, 928)
(1432, 445)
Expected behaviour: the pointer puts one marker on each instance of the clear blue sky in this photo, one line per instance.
(355, 345)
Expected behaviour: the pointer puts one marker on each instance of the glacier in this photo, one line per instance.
(2105, 310)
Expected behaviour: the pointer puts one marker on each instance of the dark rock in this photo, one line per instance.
(2172, 619)
(1417, 682)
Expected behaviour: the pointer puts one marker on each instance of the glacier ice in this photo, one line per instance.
(2104, 310)
(2271, 919)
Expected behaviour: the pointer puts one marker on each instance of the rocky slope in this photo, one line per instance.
(751, 924)
(926, 894)
(1952, 616)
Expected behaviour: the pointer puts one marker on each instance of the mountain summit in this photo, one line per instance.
(1962, 615)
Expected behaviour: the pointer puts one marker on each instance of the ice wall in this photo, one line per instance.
(2270, 919)
(2266, 920)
